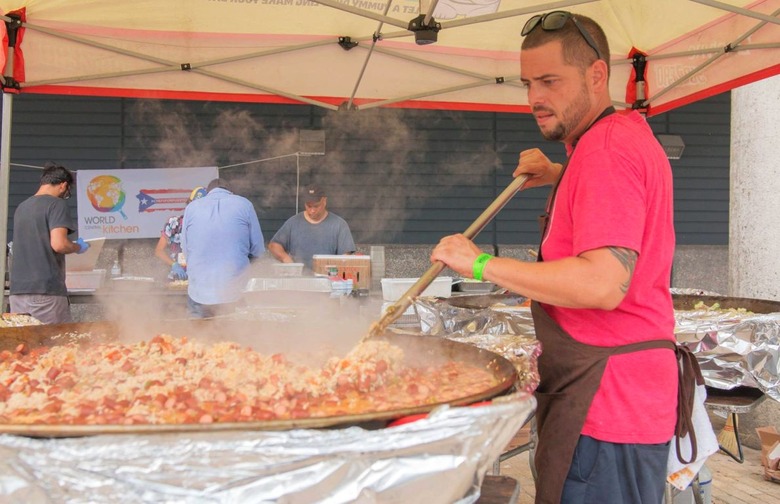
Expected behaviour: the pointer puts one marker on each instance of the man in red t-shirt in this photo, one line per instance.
(602, 307)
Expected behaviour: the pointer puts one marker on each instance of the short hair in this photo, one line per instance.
(54, 174)
(218, 183)
(576, 51)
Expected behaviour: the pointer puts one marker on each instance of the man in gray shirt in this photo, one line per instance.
(41, 226)
(313, 231)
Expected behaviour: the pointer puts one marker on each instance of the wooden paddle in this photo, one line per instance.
(399, 307)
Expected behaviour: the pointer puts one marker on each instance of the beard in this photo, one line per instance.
(570, 118)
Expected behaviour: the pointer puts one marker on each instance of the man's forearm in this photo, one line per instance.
(279, 253)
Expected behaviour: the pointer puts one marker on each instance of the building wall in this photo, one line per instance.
(398, 176)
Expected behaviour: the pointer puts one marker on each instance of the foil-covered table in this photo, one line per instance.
(736, 340)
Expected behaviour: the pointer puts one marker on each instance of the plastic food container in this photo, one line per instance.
(288, 269)
(84, 280)
(394, 288)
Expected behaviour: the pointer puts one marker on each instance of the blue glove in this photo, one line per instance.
(178, 271)
(83, 246)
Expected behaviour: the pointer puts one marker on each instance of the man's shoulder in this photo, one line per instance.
(336, 218)
(42, 201)
(623, 133)
(629, 124)
(40, 198)
(27, 202)
(211, 199)
(241, 200)
(297, 217)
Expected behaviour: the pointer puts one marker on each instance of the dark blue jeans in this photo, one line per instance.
(605, 473)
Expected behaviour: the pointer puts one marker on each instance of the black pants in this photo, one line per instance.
(604, 473)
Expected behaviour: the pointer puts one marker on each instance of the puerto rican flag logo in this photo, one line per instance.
(168, 200)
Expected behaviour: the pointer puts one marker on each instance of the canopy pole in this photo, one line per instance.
(377, 36)
(297, 180)
(9, 83)
(5, 180)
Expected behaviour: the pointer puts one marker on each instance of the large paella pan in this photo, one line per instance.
(409, 362)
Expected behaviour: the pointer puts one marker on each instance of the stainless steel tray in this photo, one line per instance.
(471, 287)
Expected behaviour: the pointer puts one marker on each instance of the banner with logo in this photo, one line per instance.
(134, 203)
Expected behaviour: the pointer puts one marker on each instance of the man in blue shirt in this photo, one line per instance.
(220, 234)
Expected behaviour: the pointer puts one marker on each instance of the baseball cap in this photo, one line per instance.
(312, 193)
(197, 193)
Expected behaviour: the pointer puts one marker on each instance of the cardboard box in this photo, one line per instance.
(85, 262)
(770, 452)
(350, 267)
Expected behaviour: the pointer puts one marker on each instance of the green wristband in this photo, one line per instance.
(479, 265)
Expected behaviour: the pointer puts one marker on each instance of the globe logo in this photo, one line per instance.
(106, 195)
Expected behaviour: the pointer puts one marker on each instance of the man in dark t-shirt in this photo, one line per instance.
(42, 223)
(313, 231)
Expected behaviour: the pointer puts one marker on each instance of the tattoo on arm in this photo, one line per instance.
(627, 258)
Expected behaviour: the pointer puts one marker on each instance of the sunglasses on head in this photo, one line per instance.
(555, 20)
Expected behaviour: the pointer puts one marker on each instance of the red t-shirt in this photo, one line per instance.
(617, 191)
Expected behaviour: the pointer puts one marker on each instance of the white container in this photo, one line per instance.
(287, 269)
(394, 288)
(84, 280)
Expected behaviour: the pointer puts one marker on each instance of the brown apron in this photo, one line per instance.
(571, 373)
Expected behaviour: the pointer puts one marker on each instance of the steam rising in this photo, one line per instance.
(379, 168)
(366, 171)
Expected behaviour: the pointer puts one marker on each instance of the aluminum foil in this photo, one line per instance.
(439, 459)
(734, 348)
(460, 316)
(504, 327)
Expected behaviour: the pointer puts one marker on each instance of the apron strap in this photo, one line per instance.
(689, 376)
(643, 345)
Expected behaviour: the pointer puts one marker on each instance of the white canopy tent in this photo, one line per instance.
(360, 54)
(363, 54)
